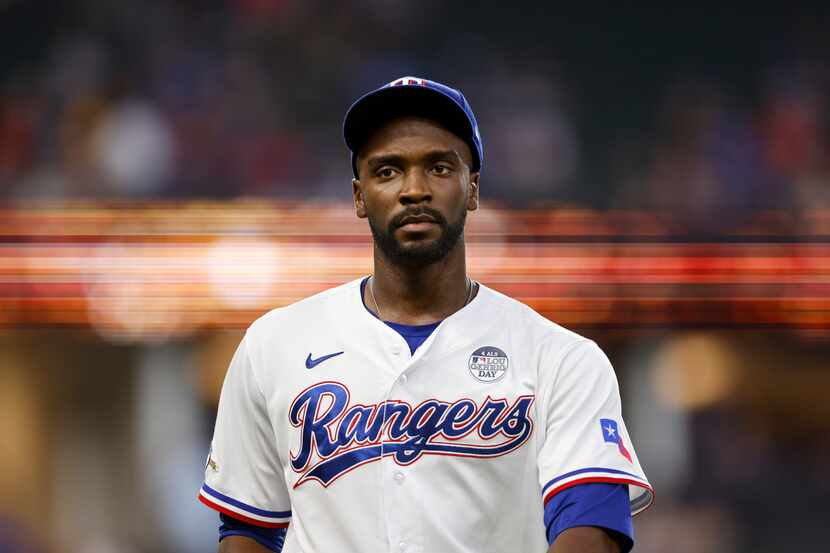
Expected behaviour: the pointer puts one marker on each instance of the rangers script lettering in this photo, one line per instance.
(345, 437)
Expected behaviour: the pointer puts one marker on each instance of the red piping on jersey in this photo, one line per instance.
(243, 518)
(609, 479)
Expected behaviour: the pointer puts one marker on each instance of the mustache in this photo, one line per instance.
(397, 220)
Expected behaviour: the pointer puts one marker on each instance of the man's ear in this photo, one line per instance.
(359, 204)
(472, 192)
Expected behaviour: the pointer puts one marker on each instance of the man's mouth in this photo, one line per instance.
(417, 223)
(422, 218)
(418, 226)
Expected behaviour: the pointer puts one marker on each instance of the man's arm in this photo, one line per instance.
(581, 539)
(244, 479)
(241, 544)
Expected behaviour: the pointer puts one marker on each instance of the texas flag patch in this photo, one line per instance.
(611, 434)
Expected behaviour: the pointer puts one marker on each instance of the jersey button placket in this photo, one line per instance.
(400, 524)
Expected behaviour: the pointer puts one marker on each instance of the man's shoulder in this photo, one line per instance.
(533, 324)
(315, 309)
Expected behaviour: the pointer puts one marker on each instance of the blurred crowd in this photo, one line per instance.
(230, 98)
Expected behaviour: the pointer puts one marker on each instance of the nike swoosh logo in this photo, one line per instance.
(311, 363)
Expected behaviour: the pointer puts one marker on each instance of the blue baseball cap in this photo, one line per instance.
(412, 96)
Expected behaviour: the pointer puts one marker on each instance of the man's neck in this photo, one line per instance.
(419, 295)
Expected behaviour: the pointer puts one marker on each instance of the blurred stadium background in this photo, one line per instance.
(658, 180)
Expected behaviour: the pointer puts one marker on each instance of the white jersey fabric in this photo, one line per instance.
(452, 449)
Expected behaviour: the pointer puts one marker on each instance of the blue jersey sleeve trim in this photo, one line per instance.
(236, 503)
(587, 470)
(596, 504)
(271, 538)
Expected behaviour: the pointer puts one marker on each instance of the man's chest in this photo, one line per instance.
(338, 409)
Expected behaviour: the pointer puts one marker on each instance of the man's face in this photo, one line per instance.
(415, 188)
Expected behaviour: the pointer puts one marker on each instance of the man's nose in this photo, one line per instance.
(415, 188)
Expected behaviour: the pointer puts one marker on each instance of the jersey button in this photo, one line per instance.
(404, 378)
(396, 350)
(402, 546)
(399, 477)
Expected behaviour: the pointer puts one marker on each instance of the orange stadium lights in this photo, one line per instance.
(150, 271)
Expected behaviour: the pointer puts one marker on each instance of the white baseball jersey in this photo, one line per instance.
(327, 422)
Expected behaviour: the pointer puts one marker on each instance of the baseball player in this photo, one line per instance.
(416, 410)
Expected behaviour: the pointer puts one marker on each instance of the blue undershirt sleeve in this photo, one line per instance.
(272, 538)
(603, 505)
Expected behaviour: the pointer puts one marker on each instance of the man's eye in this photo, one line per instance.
(386, 173)
(441, 169)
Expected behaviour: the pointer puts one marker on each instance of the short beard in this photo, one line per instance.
(419, 255)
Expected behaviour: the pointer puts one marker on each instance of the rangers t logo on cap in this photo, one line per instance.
(407, 81)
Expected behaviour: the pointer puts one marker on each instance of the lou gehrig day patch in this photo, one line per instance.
(488, 364)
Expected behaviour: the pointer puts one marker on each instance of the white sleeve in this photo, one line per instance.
(585, 436)
(243, 474)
